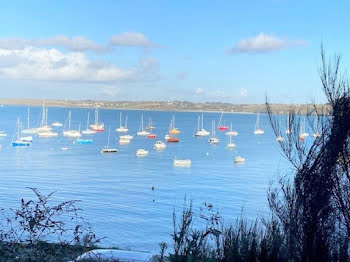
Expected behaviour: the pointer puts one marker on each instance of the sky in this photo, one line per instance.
(201, 51)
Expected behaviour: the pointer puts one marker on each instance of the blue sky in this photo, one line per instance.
(229, 51)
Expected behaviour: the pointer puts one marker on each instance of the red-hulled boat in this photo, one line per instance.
(172, 139)
(151, 136)
(222, 127)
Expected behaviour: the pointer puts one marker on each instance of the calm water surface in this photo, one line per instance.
(116, 189)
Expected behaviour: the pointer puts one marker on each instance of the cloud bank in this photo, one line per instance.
(264, 43)
(80, 43)
(43, 64)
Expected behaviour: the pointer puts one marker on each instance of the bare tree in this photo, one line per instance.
(316, 204)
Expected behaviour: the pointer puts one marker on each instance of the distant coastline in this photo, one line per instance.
(185, 106)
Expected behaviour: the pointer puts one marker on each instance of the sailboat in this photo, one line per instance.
(316, 134)
(288, 129)
(303, 133)
(169, 137)
(173, 130)
(69, 132)
(44, 127)
(231, 132)
(213, 139)
(230, 144)
(150, 125)
(106, 149)
(258, 130)
(44, 130)
(142, 131)
(202, 131)
(222, 127)
(29, 130)
(18, 141)
(98, 127)
(122, 129)
(88, 131)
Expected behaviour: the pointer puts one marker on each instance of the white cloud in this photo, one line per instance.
(131, 39)
(79, 43)
(263, 43)
(53, 65)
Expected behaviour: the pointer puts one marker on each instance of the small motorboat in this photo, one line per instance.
(3, 134)
(159, 145)
(124, 141)
(126, 137)
(26, 139)
(239, 159)
(279, 139)
(182, 162)
(141, 152)
(83, 141)
(109, 150)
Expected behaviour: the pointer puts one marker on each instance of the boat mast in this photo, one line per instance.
(18, 123)
(109, 132)
(69, 119)
(87, 122)
(257, 123)
(120, 119)
(126, 121)
(198, 119)
(220, 118)
(96, 116)
(202, 121)
(46, 113)
(28, 119)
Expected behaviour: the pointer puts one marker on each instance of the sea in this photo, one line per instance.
(129, 201)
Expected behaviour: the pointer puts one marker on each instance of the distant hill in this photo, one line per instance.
(166, 105)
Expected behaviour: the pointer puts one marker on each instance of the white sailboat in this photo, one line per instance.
(18, 141)
(45, 130)
(88, 131)
(150, 125)
(230, 144)
(288, 129)
(122, 129)
(44, 127)
(202, 131)
(142, 131)
(98, 127)
(213, 139)
(29, 130)
(258, 130)
(232, 132)
(316, 133)
(303, 134)
(69, 132)
(107, 149)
